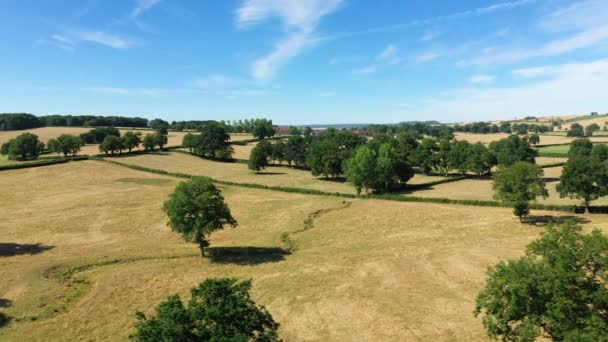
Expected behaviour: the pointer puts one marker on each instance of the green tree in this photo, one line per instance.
(258, 159)
(111, 144)
(279, 150)
(160, 140)
(557, 290)
(296, 151)
(149, 142)
(196, 209)
(213, 142)
(519, 184)
(512, 149)
(534, 139)
(263, 129)
(385, 166)
(189, 141)
(329, 151)
(585, 178)
(219, 310)
(66, 144)
(580, 147)
(24, 146)
(131, 140)
(590, 129)
(425, 155)
(458, 157)
(576, 130)
(361, 170)
(480, 159)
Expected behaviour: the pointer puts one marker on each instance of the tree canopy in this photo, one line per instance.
(24, 146)
(513, 149)
(557, 290)
(219, 310)
(66, 144)
(196, 209)
(213, 142)
(519, 184)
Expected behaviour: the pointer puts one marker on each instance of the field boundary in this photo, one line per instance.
(388, 197)
(40, 163)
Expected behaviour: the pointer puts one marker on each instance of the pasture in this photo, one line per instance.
(83, 255)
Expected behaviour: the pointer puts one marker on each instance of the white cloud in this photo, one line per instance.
(530, 72)
(216, 81)
(300, 18)
(427, 57)
(482, 79)
(103, 38)
(143, 5)
(366, 70)
(572, 88)
(583, 39)
(389, 55)
(430, 35)
(578, 15)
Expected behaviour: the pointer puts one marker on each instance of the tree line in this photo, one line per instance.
(19, 121)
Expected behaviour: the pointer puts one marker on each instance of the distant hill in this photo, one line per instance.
(358, 125)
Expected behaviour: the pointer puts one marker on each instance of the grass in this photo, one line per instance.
(381, 269)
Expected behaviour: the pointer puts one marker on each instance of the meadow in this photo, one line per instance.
(78, 261)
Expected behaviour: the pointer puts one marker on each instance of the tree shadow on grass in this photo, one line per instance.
(269, 173)
(8, 249)
(4, 318)
(543, 220)
(246, 255)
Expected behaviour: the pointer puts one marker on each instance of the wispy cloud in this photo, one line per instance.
(299, 17)
(69, 40)
(580, 40)
(500, 6)
(430, 35)
(427, 57)
(366, 70)
(143, 5)
(389, 54)
(485, 79)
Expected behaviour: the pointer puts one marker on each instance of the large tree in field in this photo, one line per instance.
(518, 185)
(258, 158)
(576, 130)
(330, 150)
(557, 291)
(425, 155)
(263, 129)
(24, 146)
(111, 144)
(458, 157)
(196, 209)
(219, 310)
(149, 142)
(480, 159)
(189, 141)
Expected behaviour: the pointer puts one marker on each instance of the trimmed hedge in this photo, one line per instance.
(42, 163)
(389, 197)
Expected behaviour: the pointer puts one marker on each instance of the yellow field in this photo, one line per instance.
(47, 133)
(548, 160)
(371, 271)
(601, 121)
(242, 152)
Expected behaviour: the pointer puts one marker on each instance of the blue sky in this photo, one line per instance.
(305, 61)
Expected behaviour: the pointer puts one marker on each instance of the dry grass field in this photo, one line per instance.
(242, 152)
(548, 160)
(488, 138)
(236, 172)
(377, 270)
(47, 133)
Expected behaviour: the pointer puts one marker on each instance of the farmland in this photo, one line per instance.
(411, 281)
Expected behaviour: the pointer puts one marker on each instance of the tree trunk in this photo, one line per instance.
(521, 218)
(201, 246)
(587, 206)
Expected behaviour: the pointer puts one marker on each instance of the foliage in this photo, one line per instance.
(18, 121)
(279, 151)
(296, 151)
(219, 310)
(557, 290)
(66, 144)
(160, 139)
(590, 129)
(149, 142)
(425, 155)
(512, 149)
(361, 169)
(519, 184)
(196, 209)
(576, 130)
(534, 139)
(24, 146)
(131, 140)
(98, 134)
(111, 144)
(480, 159)
(189, 141)
(263, 129)
(213, 142)
(258, 159)
(330, 150)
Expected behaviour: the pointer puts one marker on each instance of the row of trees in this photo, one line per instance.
(577, 130)
(504, 127)
(19, 121)
(23, 147)
(130, 140)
